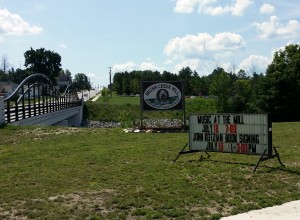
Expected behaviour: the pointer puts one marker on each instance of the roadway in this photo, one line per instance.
(86, 95)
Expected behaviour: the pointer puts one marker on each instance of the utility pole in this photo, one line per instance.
(110, 89)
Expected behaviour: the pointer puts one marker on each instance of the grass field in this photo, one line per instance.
(120, 100)
(82, 173)
(120, 108)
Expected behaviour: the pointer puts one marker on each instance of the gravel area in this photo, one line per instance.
(103, 124)
(147, 123)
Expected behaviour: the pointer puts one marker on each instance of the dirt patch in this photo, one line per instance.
(87, 201)
(39, 133)
(71, 205)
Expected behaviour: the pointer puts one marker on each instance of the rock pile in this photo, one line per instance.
(162, 123)
(103, 124)
(150, 124)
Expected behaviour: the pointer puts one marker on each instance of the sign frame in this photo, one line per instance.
(150, 91)
(162, 96)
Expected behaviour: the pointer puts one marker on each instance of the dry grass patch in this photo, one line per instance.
(71, 205)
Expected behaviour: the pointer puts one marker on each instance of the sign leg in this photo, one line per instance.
(180, 152)
(260, 159)
(277, 155)
(201, 157)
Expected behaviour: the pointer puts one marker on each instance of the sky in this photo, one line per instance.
(93, 35)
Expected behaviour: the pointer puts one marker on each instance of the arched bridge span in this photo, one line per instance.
(37, 101)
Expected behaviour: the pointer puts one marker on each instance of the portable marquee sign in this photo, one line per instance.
(231, 133)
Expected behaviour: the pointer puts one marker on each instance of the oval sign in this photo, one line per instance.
(162, 96)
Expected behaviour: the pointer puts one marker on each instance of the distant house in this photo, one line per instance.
(63, 82)
(7, 88)
(33, 91)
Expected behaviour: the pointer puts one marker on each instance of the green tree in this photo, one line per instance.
(220, 87)
(43, 61)
(241, 96)
(65, 73)
(126, 84)
(257, 102)
(167, 76)
(195, 82)
(81, 82)
(118, 83)
(242, 74)
(105, 92)
(282, 86)
(18, 75)
(185, 75)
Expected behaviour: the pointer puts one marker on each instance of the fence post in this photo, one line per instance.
(2, 110)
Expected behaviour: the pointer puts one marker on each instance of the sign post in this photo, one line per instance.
(231, 133)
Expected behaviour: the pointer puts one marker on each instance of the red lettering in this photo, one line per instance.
(227, 129)
(216, 128)
(221, 146)
(242, 148)
(233, 129)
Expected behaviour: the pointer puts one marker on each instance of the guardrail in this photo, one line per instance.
(19, 112)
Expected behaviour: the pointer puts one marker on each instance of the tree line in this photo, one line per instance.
(276, 92)
(42, 61)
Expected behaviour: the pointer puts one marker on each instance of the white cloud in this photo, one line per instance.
(204, 45)
(187, 6)
(194, 64)
(282, 48)
(129, 66)
(91, 75)
(202, 67)
(219, 10)
(266, 9)
(203, 52)
(63, 46)
(274, 28)
(187, 45)
(240, 6)
(236, 7)
(169, 61)
(227, 67)
(13, 24)
(278, 49)
(255, 63)
(150, 66)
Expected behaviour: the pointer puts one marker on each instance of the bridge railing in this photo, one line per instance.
(36, 95)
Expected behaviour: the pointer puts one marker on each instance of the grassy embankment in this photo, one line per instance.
(83, 173)
(127, 109)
